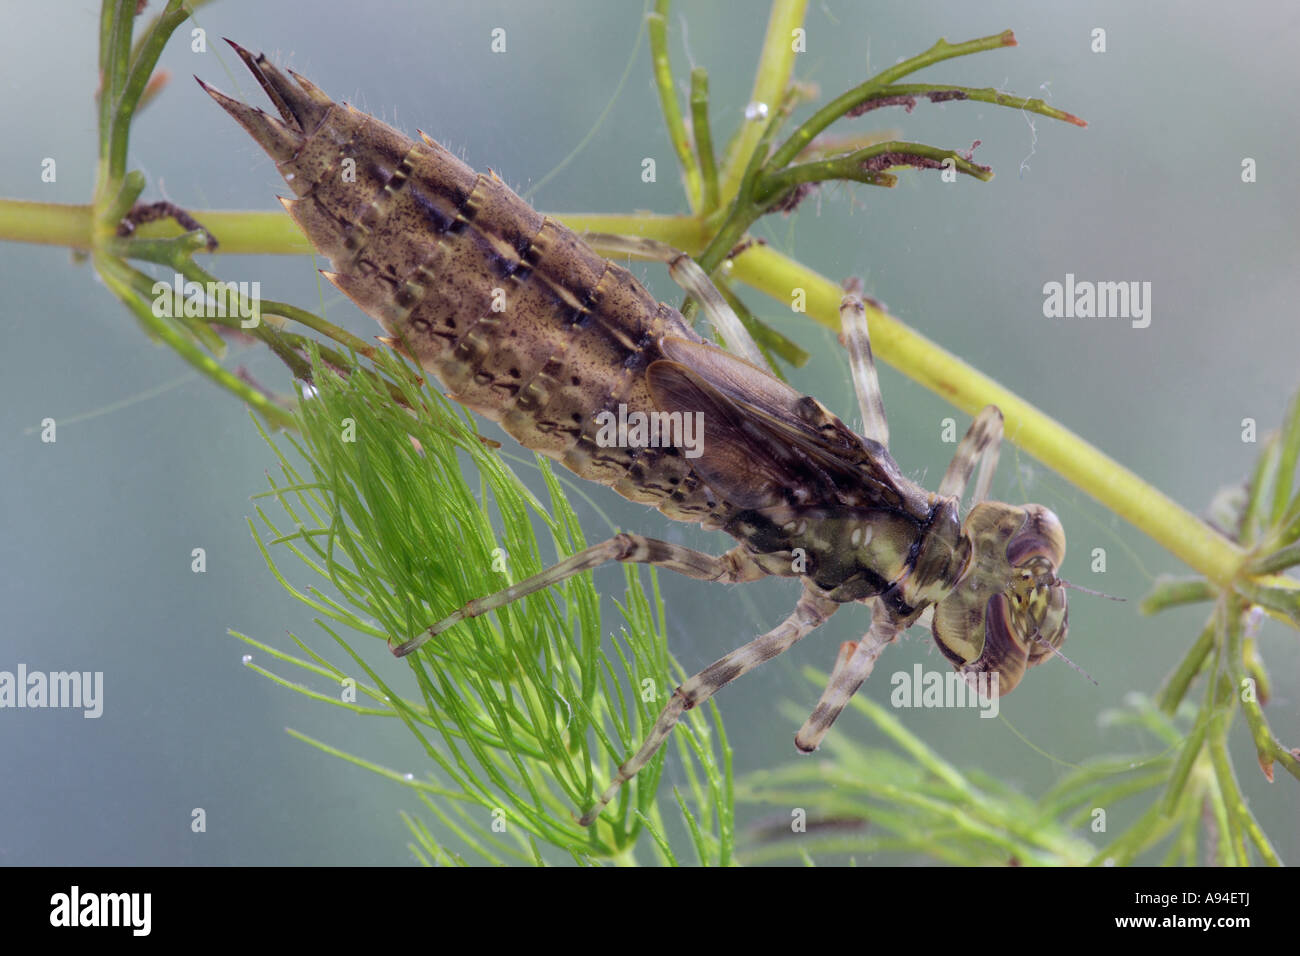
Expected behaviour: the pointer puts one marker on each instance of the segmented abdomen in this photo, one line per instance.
(513, 313)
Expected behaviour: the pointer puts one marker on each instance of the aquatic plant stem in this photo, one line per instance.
(771, 272)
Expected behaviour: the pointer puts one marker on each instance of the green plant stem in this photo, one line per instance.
(775, 65)
(850, 167)
(1288, 455)
(769, 271)
(1175, 788)
(141, 69)
(987, 94)
(1244, 823)
(1279, 560)
(1267, 747)
(114, 61)
(1170, 592)
(1174, 689)
(704, 138)
(72, 226)
(657, 25)
(117, 276)
(943, 50)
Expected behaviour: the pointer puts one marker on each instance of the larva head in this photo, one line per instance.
(1009, 610)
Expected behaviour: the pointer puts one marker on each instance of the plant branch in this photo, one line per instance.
(866, 165)
(844, 104)
(775, 274)
(704, 137)
(906, 94)
(657, 24)
(117, 275)
(772, 79)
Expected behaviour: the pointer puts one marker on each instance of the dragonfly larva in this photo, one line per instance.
(525, 323)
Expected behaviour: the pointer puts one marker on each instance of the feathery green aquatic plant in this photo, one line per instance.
(404, 516)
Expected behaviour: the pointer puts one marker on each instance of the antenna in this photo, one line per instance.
(1039, 639)
(1080, 587)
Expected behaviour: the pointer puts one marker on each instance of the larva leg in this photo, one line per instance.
(733, 567)
(687, 274)
(980, 444)
(809, 614)
(853, 321)
(851, 669)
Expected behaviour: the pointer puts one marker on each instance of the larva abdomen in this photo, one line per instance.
(518, 317)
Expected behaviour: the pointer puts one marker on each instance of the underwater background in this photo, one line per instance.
(96, 530)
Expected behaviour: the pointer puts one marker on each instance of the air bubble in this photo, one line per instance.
(756, 111)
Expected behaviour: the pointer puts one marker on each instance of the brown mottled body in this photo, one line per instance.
(522, 321)
(420, 241)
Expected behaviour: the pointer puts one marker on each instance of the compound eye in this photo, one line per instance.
(1041, 536)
